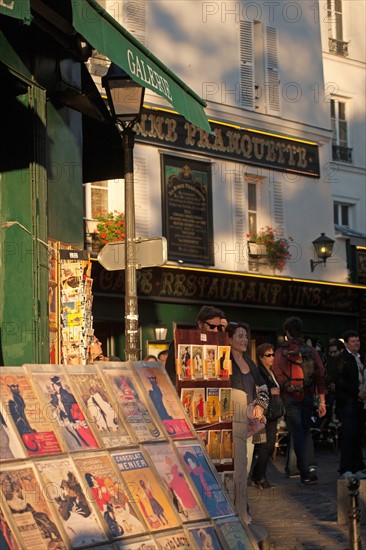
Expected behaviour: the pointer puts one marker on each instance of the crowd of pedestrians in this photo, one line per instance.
(296, 382)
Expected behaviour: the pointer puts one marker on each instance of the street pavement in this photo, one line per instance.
(302, 518)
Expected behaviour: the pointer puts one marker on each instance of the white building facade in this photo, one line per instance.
(270, 69)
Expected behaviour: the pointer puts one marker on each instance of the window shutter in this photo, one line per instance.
(134, 19)
(246, 65)
(278, 209)
(272, 84)
(142, 198)
(240, 218)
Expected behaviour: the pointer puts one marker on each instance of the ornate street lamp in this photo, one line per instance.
(125, 98)
(323, 247)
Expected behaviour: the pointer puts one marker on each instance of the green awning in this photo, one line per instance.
(108, 37)
(20, 9)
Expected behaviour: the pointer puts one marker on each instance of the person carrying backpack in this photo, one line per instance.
(301, 375)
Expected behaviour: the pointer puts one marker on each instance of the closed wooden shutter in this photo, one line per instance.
(142, 198)
(246, 65)
(273, 83)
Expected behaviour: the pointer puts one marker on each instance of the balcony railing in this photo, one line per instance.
(341, 154)
(338, 47)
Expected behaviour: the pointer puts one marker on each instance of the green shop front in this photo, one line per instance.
(172, 296)
(56, 134)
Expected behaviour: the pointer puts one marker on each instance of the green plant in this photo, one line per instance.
(111, 226)
(277, 248)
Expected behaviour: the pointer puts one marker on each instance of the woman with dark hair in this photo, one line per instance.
(248, 387)
(263, 451)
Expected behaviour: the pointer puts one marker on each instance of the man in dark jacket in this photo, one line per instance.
(349, 377)
(298, 395)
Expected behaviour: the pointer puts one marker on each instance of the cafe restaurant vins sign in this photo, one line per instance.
(244, 145)
(189, 284)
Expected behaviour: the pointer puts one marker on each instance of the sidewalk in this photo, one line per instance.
(297, 517)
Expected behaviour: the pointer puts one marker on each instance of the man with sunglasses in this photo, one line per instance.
(209, 319)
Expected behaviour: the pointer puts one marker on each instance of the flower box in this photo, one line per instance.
(257, 250)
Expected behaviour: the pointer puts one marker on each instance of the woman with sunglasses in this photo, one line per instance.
(263, 451)
(247, 387)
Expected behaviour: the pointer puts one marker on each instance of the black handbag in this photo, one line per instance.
(275, 408)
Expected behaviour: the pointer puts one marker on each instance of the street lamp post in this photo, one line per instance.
(125, 98)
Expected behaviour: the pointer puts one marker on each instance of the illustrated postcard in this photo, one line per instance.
(165, 399)
(109, 494)
(131, 402)
(29, 417)
(100, 404)
(204, 478)
(176, 481)
(62, 406)
(147, 490)
(64, 488)
(23, 495)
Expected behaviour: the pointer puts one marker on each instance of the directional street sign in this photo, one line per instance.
(146, 253)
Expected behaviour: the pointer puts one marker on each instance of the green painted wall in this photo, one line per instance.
(23, 269)
(64, 166)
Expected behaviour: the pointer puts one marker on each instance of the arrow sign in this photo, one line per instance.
(146, 253)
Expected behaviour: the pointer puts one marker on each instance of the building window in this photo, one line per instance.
(335, 28)
(103, 196)
(342, 214)
(252, 208)
(259, 75)
(341, 151)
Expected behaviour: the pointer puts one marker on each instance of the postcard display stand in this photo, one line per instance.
(203, 369)
(70, 304)
(104, 456)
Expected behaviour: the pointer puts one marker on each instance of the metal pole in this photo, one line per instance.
(132, 344)
(354, 514)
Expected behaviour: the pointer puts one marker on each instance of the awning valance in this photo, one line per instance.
(107, 36)
(19, 9)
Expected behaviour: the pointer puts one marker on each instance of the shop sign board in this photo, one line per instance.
(145, 253)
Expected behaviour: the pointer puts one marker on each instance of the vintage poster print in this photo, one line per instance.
(101, 406)
(165, 399)
(146, 489)
(226, 404)
(213, 446)
(209, 361)
(10, 446)
(63, 487)
(206, 483)
(204, 537)
(131, 402)
(212, 405)
(203, 437)
(224, 361)
(23, 407)
(235, 534)
(63, 408)
(226, 446)
(193, 401)
(7, 537)
(197, 362)
(109, 495)
(177, 540)
(29, 509)
(184, 361)
(176, 481)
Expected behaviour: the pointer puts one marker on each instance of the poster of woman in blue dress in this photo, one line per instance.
(205, 481)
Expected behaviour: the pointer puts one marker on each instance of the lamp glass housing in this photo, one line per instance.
(125, 96)
(160, 332)
(323, 247)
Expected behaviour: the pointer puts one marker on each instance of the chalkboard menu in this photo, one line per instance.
(187, 209)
